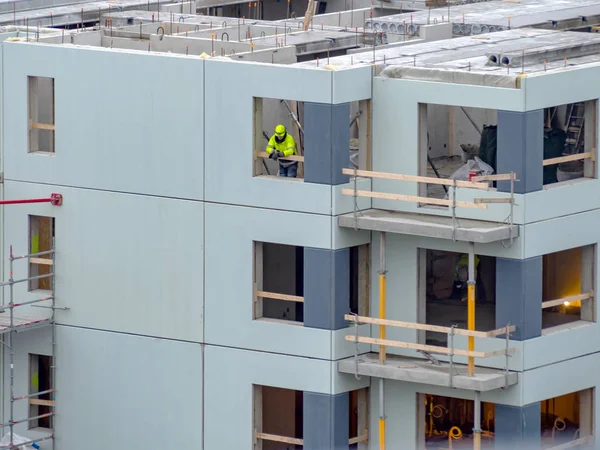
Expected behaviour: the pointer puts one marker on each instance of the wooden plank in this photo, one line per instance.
(503, 352)
(43, 261)
(417, 326)
(412, 198)
(562, 159)
(37, 401)
(276, 438)
(42, 126)
(501, 331)
(497, 177)
(560, 301)
(413, 346)
(417, 179)
(359, 439)
(257, 394)
(273, 295)
(492, 200)
(265, 155)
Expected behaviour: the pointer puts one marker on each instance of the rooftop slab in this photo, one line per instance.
(468, 60)
(426, 225)
(477, 18)
(415, 370)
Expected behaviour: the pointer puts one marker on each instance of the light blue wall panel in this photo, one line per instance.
(229, 278)
(540, 89)
(115, 128)
(561, 199)
(228, 378)
(582, 338)
(124, 262)
(145, 393)
(36, 342)
(229, 134)
(352, 84)
(561, 378)
(342, 203)
(562, 233)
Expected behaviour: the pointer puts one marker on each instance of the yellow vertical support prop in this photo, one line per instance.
(471, 306)
(382, 273)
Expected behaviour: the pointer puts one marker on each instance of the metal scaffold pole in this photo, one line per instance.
(11, 282)
(12, 328)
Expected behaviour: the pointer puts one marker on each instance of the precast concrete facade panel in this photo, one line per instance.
(352, 84)
(139, 392)
(543, 90)
(110, 119)
(229, 134)
(120, 266)
(228, 379)
(231, 258)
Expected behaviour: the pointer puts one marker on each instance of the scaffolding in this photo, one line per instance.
(16, 324)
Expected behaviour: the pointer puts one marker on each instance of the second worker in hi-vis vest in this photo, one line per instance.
(281, 145)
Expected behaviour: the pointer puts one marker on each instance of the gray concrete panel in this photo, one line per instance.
(326, 424)
(326, 288)
(519, 296)
(317, 143)
(340, 142)
(517, 427)
(119, 375)
(521, 149)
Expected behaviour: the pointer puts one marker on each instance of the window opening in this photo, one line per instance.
(40, 379)
(568, 284)
(41, 114)
(41, 238)
(446, 292)
(279, 282)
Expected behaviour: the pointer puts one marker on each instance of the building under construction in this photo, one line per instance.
(426, 280)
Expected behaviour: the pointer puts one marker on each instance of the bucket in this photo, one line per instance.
(569, 171)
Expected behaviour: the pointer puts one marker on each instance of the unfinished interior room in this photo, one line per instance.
(299, 225)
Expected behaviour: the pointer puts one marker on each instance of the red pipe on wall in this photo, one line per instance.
(55, 199)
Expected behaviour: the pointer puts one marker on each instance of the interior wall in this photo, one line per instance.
(280, 412)
(463, 131)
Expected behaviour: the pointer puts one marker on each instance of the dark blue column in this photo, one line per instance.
(517, 427)
(326, 421)
(326, 288)
(326, 143)
(519, 296)
(521, 149)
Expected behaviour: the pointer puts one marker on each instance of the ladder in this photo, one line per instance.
(574, 124)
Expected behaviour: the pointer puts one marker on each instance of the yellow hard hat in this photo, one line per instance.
(280, 130)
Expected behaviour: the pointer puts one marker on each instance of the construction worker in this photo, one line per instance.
(281, 145)
(461, 275)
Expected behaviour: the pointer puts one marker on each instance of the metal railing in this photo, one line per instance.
(479, 183)
(450, 351)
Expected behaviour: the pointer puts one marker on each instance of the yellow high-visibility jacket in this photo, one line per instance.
(287, 147)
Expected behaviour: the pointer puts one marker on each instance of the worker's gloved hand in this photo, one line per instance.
(272, 155)
(280, 155)
(275, 155)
